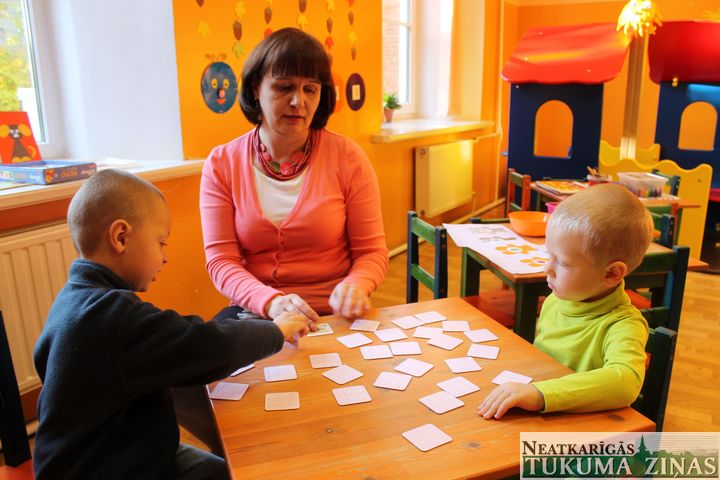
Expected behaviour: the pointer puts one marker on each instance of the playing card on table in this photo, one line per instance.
(507, 376)
(350, 395)
(483, 351)
(427, 332)
(279, 373)
(482, 335)
(458, 386)
(441, 402)
(229, 391)
(354, 340)
(416, 368)
(393, 381)
(462, 365)
(390, 334)
(407, 322)
(430, 317)
(323, 329)
(242, 369)
(374, 352)
(405, 348)
(365, 325)
(325, 360)
(282, 401)
(427, 437)
(445, 341)
(455, 326)
(342, 374)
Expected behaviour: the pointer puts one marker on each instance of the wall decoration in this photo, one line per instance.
(355, 92)
(302, 20)
(219, 85)
(200, 2)
(337, 80)
(17, 143)
(203, 29)
(329, 42)
(352, 36)
(238, 48)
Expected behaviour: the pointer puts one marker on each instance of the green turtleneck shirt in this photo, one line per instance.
(603, 342)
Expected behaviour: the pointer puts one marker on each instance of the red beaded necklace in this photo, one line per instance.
(287, 170)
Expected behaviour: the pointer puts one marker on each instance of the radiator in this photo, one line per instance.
(33, 269)
(443, 177)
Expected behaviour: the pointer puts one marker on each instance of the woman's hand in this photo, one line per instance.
(348, 301)
(293, 304)
(509, 395)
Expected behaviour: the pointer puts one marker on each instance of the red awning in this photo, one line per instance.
(591, 53)
(688, 50)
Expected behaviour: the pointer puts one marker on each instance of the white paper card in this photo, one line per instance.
(463, 364)
(427, 332)
(405, 348)
(393, 381)
(390, 334)
(441, 402)
(342, 374)
(282, 401)
(373, 352)
(325, 360)
(416, 368)
(407, 322)
(279, 373)
(458, 386)
(455, 326)
(445, 341)
(427, 437)
(350, 395)
(242, 369)
(323, 329)
(365, 325)
(507, 376)
(229, 391)
(482, 335)
(483, 351)
(354, 340)
(430, 317)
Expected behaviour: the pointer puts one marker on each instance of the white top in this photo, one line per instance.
(277, 198)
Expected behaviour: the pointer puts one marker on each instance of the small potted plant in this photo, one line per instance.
(390, 103)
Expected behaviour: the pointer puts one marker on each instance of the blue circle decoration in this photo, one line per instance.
(219, 87)
(355, 91)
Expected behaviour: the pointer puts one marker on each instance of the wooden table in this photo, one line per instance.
(326, 441)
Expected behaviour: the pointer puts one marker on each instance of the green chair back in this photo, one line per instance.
(673, 181)
(665, 224)
(654, 393)
(436, 236)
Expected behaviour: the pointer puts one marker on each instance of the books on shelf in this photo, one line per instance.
(561, 187)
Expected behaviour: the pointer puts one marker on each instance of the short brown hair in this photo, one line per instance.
(288, 52)
(107, 196)
(610, 223)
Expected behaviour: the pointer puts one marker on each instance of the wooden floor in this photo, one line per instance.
(694, 403)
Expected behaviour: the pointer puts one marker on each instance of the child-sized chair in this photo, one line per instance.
(654, 393)
(515, 182)
(436, 236)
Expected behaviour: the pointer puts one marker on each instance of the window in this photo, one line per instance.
(398, 32)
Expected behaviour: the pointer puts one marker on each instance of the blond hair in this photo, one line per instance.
(610, 223)
(107, 196)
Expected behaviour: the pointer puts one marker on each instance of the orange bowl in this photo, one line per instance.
(530, 224)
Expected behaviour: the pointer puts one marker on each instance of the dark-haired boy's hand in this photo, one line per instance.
(292, 326)
(293, 303)
(509, 395)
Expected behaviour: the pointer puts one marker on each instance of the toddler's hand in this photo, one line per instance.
(348, 301)
(509, 395)
(293, 304)
(291, 325)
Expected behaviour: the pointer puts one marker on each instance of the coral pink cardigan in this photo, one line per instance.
(334, 233)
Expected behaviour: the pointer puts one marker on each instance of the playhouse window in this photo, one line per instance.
(697, 127)
(553, 130)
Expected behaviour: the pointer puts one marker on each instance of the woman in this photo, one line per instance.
(290, 211)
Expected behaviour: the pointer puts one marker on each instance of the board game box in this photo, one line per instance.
(45, 172)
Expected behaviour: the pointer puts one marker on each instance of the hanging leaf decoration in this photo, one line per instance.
(329, 25)
(238, 49)
(240, 9)
(302, 21)
(268, 32)
(331, 6)
(329, 42)
(203, 29)
(268, 14)
(200, 2)
(352, 36)
(350, 2)
(351, 17)
(302, 4)
(353, 52)
(237, 30)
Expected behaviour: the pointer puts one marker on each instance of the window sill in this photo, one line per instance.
(401, 130)
(151, 171)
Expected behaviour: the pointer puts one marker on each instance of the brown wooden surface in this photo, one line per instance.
(325, 440)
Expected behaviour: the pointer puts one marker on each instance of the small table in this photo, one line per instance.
(325, 440)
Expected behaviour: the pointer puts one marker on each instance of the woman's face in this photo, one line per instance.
(288, 103)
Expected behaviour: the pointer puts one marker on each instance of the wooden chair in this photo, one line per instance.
(654, 393)
(517, 181)
(436, 236)
(664, 228)
(15, 444)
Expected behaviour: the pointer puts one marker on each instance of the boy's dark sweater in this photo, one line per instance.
(107, 361)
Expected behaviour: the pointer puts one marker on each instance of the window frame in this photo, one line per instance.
(409, 109)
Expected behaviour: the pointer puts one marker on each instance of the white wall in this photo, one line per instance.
(112, 79)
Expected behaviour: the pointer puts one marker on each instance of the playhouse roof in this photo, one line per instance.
(592, 53)
(688, 50)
